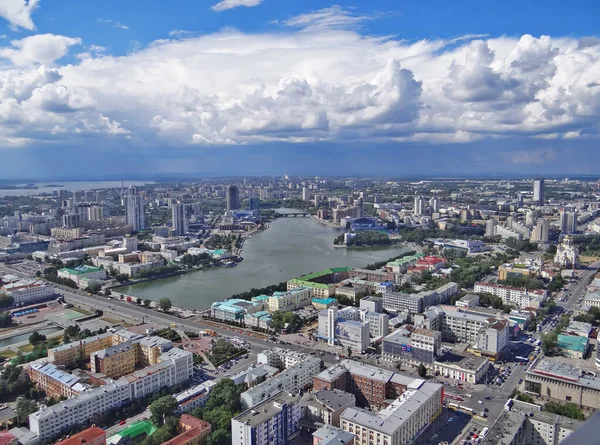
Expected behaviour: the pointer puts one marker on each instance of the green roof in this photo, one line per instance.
(136, 429)
(80, 270)
(309, 284)
(572, 342)
(321, 273)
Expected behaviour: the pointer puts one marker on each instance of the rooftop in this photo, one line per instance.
(462, 361)
(85, 436)
(572, 342)
(53, 372)
(80, 270)
(330, 435)
(332, 399)
(266, 410)
(390, 419)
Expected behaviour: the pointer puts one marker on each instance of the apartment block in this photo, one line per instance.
(399, 301)
(325, 407)
(399, 423)
(274, 421)
(513, 295)
(369, 384)
(412, 348)
(291, 380)
(53, 381)
(115, 361)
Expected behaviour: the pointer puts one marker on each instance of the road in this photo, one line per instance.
(575, 290)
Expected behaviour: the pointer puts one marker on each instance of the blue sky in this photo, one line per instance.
(135, 89)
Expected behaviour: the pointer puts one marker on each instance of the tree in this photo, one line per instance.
(36, 338)
(94, 288)
(121, 277)
(549, 341)
(219, 437)
(165, 304)
(162, 408)
(6, 301)
(23, 408)
(147, 302)
(422, 370)
(349, 350)
(225, 394)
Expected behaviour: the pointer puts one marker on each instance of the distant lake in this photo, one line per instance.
(72, 186)
(290, 247)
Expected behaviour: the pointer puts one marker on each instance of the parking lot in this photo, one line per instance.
(29, 267)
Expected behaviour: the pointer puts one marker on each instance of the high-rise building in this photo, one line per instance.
(233, 197)
(538, 191)
(434, 203)
(305, 194)
(520, 200)
(490, 227)
(134, 209)
(419, 206)
(568, 220)
(254, 204)
(541, 231)
(179, 219)
(360, 206)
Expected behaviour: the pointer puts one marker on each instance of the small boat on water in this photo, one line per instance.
(229, 264)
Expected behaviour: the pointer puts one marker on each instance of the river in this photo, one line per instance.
(288, 248)
(71, 186)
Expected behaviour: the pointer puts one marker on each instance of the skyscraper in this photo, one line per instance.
(305, 193)
(233, 197)
(179, 219)
(419, 206)
(434, 203)
(360, 205)
(541, 231)
(134, 209)
(519, 200)
(568, 220)
(538, 191)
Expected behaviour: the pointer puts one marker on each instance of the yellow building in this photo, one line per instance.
(116, 361)
(65, 355)
(513, 270)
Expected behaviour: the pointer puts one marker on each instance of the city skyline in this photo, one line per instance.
(261, 87)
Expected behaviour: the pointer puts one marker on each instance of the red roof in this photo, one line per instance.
(6, 438)
(196, 427)
(92, 433)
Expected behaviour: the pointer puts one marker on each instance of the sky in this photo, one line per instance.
(193, 88)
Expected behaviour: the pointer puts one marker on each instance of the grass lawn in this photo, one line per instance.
(26, 348)
(7, 353)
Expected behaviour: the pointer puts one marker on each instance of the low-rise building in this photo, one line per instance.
(573, 346)
(234, 309)
(556, 381)
(513, 427)
(89, 436)
(274, 421)
(468, 301)
(400, 301)
(372, 304)
(325, 407)
(291, 300)
(194, 397)
(462, 367)
(399, 423)
(330, 435)
(192, 431)
(29, 291)
(592, 299)
(78, 274)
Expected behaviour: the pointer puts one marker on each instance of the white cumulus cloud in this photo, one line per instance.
(18, 13)
(223, 5)
(38, 49)
(329, 84)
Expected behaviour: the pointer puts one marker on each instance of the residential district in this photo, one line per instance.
(482, 330)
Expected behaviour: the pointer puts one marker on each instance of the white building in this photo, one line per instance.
(30, 294)
(353, 334)
(494, 339)
(179, 220)
(469, 300)
(291, 380)
(379, 324)
(274, 421)
(401, 422)
(512, 295)
(194, 397)
(399, 301)
(291, 300)
(175, 366)
(134, 210)
(464, 368)
(567, 254)
(78, 274)
(541, 232)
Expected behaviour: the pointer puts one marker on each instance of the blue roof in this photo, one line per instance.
(260, 298)
(572, 342)
(324, 300)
